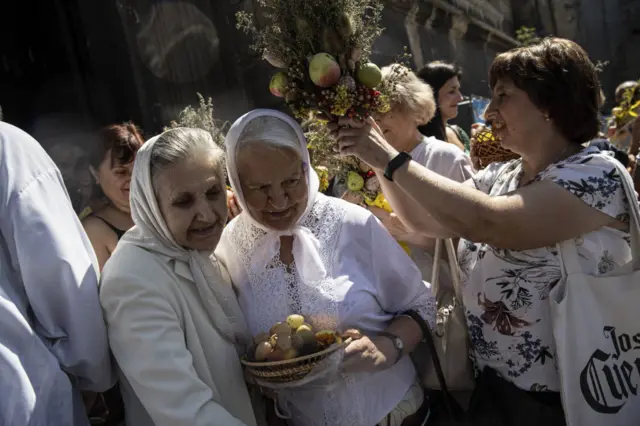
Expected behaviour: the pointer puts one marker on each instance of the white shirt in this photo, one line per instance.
(369, 279)
(51, 327)
(443, 158)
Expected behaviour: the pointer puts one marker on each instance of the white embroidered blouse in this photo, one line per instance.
(369, 279)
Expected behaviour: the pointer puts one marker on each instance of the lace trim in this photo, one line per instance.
(426, 306)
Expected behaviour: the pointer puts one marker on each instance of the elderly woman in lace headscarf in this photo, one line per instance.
(174, 324)
(294, 251)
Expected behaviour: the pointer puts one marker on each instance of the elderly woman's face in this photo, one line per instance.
(397, 126)
(273, 183)
(193, 201)
(513, 116)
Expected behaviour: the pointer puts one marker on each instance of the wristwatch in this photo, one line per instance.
(397, 343)
(393, 165)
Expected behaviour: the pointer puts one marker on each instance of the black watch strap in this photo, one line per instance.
(393, 165)
(397, 343)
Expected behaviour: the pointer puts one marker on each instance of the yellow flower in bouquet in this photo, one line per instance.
(323, 176)
(381, 202)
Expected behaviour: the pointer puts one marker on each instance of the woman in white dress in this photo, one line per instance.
(293, 250)
(175, 327)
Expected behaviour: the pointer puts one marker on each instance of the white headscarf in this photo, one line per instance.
(305, 245)
(151, 233)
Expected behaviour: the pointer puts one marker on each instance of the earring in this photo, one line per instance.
(546, 118)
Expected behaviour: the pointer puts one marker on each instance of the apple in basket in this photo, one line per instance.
(291, 339)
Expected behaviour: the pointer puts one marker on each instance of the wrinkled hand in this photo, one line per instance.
(232, 204)
(366, 355)
(362, 139)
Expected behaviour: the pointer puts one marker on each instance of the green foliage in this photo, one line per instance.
(527, 35)
(201, 118)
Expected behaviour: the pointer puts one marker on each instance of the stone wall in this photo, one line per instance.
(608, 29)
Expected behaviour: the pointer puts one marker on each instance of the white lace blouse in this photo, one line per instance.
(369, 279)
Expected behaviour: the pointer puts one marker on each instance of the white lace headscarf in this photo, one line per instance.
(305, 245)
(152, 234)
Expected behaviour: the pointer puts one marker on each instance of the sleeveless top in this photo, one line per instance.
(119, 232)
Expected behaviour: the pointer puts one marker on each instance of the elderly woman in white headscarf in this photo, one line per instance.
(175, 327)
(294, 251)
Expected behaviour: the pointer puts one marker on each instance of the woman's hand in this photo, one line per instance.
(232, 204)
(366, 355)
(363, 139)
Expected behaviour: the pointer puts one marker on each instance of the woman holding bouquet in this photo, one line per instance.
(545, 106)
(294, 251)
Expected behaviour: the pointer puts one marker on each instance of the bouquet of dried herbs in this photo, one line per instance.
(322, 49)
(201, 118)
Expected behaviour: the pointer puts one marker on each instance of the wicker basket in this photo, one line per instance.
(487, 149)
(290, 370)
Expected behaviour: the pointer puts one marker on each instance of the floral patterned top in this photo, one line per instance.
(506, 291)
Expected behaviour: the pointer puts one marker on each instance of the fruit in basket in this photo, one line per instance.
(297, 341)
(263, 350)
(261, 337)
(306, 335)
(326, 337)
(273, 340)
(280, 328)
(290, 354)
(276, 355)
(304, 327)
(284, 342)
(295, 321)
(324, 70)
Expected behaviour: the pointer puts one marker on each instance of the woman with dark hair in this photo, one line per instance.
(511, 217)
(111, 164)
(444, 79)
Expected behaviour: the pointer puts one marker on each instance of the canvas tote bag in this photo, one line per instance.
(596, 326)
(450, 338)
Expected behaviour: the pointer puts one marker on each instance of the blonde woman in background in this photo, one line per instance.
(412, 105)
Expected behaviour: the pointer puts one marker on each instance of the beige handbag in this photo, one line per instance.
(449, 368)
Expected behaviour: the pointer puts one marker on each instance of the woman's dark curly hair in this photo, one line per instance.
(560, 79)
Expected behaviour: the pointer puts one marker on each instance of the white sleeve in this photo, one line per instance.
(450, 162)
(399, 285)
(148, 343)
(54, 259)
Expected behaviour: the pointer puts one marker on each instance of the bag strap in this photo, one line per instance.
(435, 271)
(568, 250)
(454, 269)
(428, 339)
